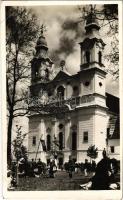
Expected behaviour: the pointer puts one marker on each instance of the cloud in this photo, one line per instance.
(112, 85)
(73, 61)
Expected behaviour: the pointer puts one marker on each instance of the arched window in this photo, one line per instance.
(61, 126)
(60, 141)
(48, 142)
(60, 92)
(75, 91)
(100, 56)
(74, 141)
(47, 73)
(87, 55)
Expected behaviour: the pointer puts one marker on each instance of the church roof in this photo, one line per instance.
(115, 125)
(42, 41)
(91, 22)
(112, 102)
(89, 43)
(62, 75)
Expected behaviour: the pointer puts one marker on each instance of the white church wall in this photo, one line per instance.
(100, 101)
(69, 91)
(116, 144)
(99, 82)
(100, 128)
(34, 128)
(85, 124)
(85, 90)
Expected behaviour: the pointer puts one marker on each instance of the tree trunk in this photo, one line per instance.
(9, 137)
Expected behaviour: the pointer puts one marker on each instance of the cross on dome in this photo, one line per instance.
(43, 29)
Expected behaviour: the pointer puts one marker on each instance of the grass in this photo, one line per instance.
(60, 182)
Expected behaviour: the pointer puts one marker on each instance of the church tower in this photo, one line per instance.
(93, 112)
(41, 65)
(92, 48)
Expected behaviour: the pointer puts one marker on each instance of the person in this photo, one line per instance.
(12, 182)
(86, 167)
(104, 152)
(39, 165)
(101, 179)
(93, 166)
(52, 169)
(70, 168)
(21, 167)
(33, 166)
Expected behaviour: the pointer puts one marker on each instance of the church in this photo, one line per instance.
(69, 113)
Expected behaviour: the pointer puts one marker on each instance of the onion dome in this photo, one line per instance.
(41, 42)
(91, 22)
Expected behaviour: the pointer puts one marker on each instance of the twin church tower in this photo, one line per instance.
(77, 116)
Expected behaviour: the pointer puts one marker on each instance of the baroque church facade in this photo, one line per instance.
(72, 110)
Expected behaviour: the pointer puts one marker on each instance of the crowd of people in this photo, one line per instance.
(102, 173)
(85, 167)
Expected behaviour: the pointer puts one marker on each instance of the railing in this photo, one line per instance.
(71, 103)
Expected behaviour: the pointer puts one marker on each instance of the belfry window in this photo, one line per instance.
(48, 142)
(60, 92)
(60, 141)
(36, 74)
(100, 56)
(74, 141)
(87, 55)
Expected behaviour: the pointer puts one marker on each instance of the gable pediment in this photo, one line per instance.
(61, 76)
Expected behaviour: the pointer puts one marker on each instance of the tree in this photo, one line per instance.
(92, 152)
(107, 16)
(21, 26)
(19, 150)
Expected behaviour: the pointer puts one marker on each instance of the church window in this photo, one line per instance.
(85, 137)
(112, 149)
(34, 140)
(49, 94)
(36, 74)
(61, 126)
(48, 142)
(60, 141)
(75, 91)
(87, 83)
(60, 92)
(100, 84)
(74, 141)
(108, 132)
(47, 73)
(48, 130)
(100, 56)
(87, 55)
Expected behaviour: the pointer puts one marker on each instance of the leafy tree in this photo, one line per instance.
(92, 152)
(21, 26)
(19, 150)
